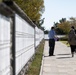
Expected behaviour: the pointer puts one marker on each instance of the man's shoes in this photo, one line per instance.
(51, 55)
(73, 54)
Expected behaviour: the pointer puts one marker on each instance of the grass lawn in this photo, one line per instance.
(34, 68)
(65, 42)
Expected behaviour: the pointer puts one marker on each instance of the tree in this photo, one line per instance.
(33, 8)
(56, 24)
(39, 22)
(63, 27)
(46, 31)
(73, 22)
(62, 20)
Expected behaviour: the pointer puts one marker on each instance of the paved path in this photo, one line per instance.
(60, 64)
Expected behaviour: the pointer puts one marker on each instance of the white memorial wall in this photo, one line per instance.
(27, 38)
(39, 35)
(4, 45)
(24, 42)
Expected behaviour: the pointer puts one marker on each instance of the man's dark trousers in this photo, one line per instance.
(51, 47)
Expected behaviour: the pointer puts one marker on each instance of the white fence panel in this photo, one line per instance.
(4, 45)
(24, 42)
(39, 35)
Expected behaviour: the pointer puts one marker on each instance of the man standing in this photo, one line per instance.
(51, 41)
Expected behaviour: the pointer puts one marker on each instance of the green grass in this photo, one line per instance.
(34, 68)
(65, 42)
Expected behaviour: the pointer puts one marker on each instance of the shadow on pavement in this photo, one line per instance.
(63, 57)
(63, 54)
(46, 56)
(49, 56)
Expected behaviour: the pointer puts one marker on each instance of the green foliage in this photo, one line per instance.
(66, 43)
(39, 22)
(33, 8)
(34, 68)
(73, 22)
(46, 32)
(0, 0)
(63, 38)
(63, 27)
(62, 20)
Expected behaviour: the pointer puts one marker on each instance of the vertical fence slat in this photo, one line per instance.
(13, 66)
(4, 45)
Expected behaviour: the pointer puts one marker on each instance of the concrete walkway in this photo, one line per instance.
(60, 64)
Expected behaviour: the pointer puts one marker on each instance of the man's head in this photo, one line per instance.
(52, 27)
(72, 27)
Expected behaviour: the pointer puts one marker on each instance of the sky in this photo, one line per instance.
(56, 10)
